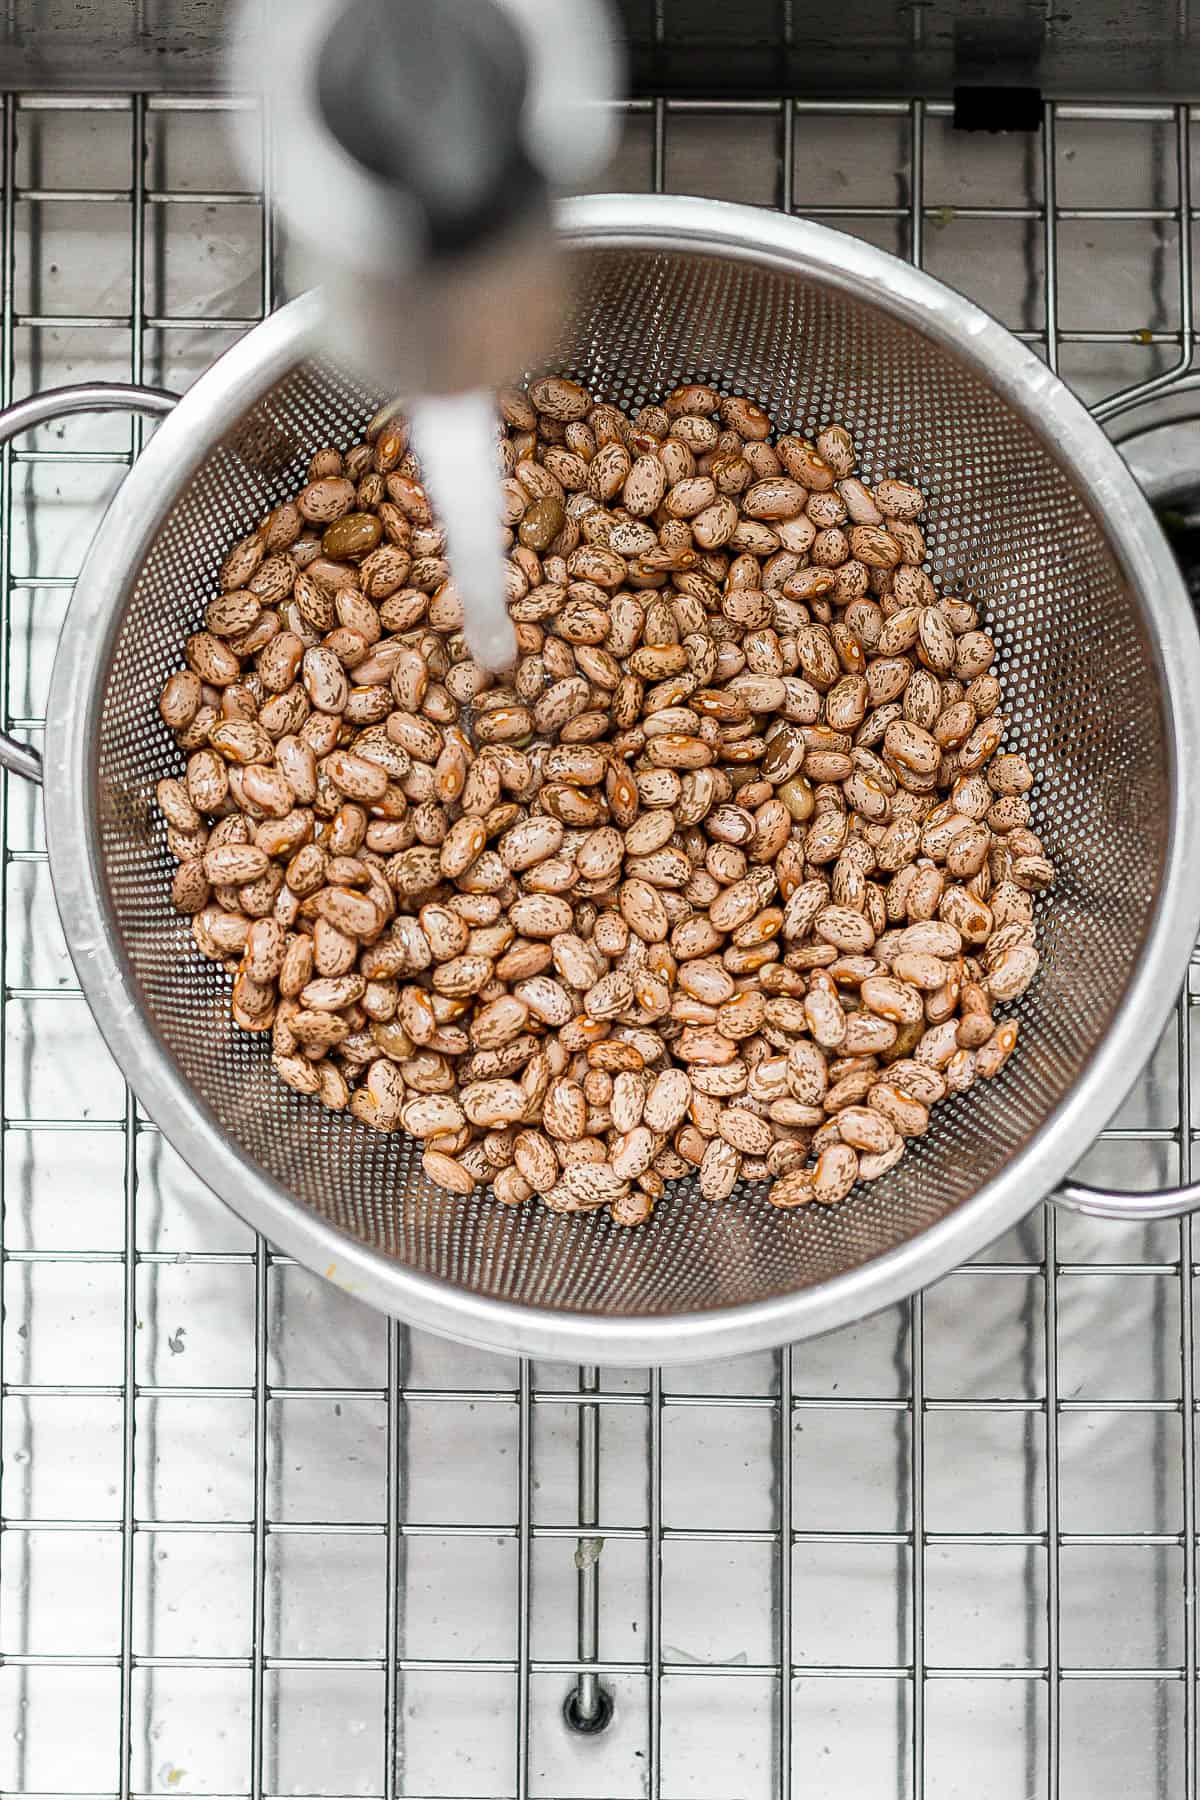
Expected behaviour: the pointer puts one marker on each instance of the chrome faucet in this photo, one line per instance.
(417, 147)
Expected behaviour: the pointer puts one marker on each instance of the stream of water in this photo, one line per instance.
(455, 437)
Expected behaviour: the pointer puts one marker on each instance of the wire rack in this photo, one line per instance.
(255, 1540)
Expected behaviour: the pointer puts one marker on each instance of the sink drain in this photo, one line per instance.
(588, 1723)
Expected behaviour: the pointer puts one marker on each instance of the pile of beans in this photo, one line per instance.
(726, 877)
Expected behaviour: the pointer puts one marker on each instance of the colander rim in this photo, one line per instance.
(214, 404)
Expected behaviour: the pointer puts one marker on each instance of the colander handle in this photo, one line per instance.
(1134, 1209)
(23, 415)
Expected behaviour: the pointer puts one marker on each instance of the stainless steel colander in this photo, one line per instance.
(1032, 515)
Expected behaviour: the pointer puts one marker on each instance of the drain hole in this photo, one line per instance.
(592, 1722)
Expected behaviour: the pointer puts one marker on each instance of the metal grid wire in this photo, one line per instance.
(255, 1540)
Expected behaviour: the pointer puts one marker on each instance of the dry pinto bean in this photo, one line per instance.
(730, 857)
(835, 1174)
(910, 1117)
(892, 999)
(719, 1170)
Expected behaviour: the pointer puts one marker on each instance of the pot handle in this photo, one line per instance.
(22, 415)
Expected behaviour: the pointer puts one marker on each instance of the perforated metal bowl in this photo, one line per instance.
(1032, 515)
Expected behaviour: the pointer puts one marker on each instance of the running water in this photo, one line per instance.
(454, 436)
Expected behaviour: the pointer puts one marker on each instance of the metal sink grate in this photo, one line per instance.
(255, 1540)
